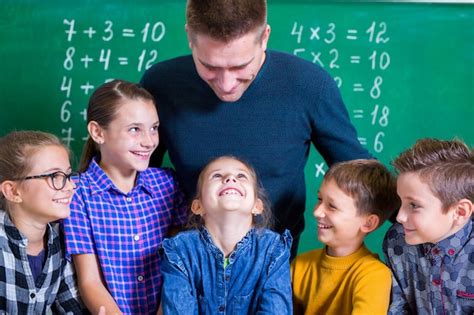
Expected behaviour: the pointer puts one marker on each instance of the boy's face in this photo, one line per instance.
(421, 212)
(339, 224)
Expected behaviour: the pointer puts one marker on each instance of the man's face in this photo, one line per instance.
(229, 67)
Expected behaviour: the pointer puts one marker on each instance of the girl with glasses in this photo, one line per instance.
(37, 186)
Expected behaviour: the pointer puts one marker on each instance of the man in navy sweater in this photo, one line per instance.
(232, 96)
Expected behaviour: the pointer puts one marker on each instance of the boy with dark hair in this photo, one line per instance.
(354, 199)
(430, 249)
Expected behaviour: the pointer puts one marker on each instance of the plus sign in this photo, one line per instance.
(90, 32)
(86, 59)
(87, 87)
(84, 113)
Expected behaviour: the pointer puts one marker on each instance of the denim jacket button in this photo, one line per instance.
(221, 308)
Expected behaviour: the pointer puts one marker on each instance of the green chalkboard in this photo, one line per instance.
(405, 70)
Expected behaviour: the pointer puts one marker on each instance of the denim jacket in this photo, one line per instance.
(256, 280)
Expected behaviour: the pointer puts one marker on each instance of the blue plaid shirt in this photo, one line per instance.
(431, 278)
(55, 290)
(125, 232)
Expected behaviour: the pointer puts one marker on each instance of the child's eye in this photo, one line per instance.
(332, 206)
(134, 129)
(216, 175)
(154, 128)
(413, 205)
(242, 175)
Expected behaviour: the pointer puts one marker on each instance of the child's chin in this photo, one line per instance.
(62, 213)
(142, 168)
(411, 241)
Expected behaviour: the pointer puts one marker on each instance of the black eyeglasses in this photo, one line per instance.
(58, 179)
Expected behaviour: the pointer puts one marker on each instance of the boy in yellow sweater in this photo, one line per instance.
(344, 277)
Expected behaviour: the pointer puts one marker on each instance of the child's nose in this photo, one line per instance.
(401, 216)
(230, 178)
(148, 139)
(318, 211)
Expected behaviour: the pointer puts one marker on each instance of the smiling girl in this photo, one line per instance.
(37, 185)
(123, 209)
(229, 264)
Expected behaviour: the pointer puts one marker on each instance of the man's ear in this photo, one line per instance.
(371, 223)
(189, 36)
(96, 132)
(258, 207)
(196, 207)
(463, 210)
(265, 37)
(10, 191)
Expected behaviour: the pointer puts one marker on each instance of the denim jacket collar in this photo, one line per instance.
(239, 247)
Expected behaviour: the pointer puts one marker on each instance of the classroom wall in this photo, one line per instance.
(405, 70)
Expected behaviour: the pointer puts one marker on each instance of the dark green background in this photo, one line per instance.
(427, 87)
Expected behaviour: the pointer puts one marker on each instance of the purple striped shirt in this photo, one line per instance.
(125, 231)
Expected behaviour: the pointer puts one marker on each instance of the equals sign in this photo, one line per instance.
(358, 87)
(362, 141)
(128, 32)
(123, 61)
(358, 113)
(351, 34)
(355, 59)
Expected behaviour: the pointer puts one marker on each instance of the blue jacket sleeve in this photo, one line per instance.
(276, 297)
(177, 296)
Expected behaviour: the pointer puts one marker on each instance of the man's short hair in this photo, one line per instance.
(225, 20)
(447, 167)
(369, 183)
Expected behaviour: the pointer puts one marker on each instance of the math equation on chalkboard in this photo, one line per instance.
(94, 51)
(344, 51)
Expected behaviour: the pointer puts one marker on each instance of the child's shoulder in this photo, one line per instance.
(273, 244)
(159, 175)
(309, 257)
(183, 244)
(183, 238)
(372, 259)
(265, 235)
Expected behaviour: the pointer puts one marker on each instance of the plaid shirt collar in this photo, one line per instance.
(100, 181)
(16, 237)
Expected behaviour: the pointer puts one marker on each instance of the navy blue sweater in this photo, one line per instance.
(290, 104)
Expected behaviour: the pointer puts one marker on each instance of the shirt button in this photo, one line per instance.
(140, 278)
(227, 278)
(221, 308)
(136, 237)
(32, 295)
(129, 199)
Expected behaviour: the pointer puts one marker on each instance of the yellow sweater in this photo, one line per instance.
(356, 284)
